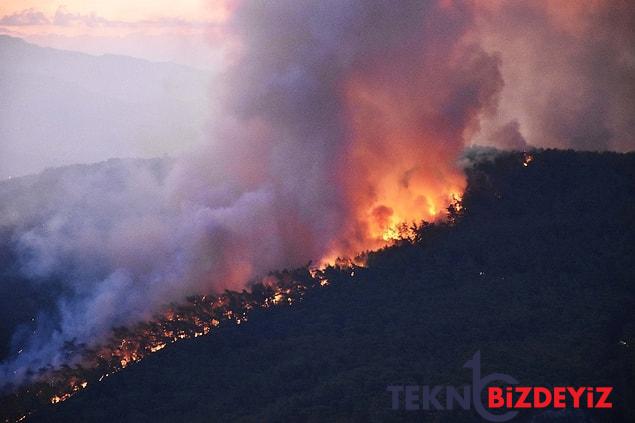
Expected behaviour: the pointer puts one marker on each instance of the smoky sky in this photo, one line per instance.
(336, 119)
(569, 71)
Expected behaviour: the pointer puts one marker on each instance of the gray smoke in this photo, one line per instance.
(569, 71)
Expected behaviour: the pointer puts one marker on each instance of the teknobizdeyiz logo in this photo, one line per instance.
(425, 397)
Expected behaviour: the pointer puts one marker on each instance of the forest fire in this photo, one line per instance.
(197, 317)
(329, 150)
(201, 314)
(322, 130)
(399, 172)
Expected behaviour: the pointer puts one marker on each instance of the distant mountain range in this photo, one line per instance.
(60, 107)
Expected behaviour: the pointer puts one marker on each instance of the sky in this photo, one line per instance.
(159, 30)
(123, 9)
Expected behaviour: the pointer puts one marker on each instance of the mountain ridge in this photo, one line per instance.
(535, 274)
(61, 107)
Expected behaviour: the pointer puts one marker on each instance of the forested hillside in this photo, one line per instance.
(535, 271)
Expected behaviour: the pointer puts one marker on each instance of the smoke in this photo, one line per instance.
(361, 107)
(340, 120)
(569, 72)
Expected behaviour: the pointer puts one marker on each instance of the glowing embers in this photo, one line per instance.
(527, 158)
(198, 316)
(55, 399)
(74, 387)
(457, 202)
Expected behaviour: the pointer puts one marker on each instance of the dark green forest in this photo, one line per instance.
(536, 272)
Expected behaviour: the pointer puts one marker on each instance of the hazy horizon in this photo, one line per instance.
(62, 107)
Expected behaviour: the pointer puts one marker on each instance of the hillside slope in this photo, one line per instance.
(25, 202)
(537, 274)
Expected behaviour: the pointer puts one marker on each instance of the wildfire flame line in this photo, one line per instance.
(198, 316)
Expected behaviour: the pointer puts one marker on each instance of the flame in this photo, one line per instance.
(397, 173)
(457, 202)
(382, 217)
(527, 158)
(390, 234)
(158, 347)
(55, 399)
(197, 317)
(411, 188)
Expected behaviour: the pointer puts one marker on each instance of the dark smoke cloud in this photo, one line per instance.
(338, 117)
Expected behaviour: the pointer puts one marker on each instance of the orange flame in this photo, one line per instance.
(398, 173)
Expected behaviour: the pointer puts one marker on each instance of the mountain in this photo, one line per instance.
(60, 107)
(535, 272)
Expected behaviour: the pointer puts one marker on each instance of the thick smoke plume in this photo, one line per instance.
(340, 120)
